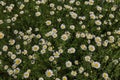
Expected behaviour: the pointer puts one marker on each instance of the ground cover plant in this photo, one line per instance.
(59, 39)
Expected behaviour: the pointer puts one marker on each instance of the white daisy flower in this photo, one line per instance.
(64, 78)
(41, 78)
(95, 65)
(71, 50)
(81, 69)
(91, 48)
(64, 37)
(26, 75)
(98, 22)
(5, 48)
(68, 64)
(37, 14)
(73, 15)
(49, 73)
(73, 73)
(105, 75)
(87, 58)
(83, 47)
(35, 48)
(1, 35)
(62, 26)
(17, 61)
(48, 22)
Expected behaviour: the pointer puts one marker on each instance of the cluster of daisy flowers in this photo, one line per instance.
(60, 39)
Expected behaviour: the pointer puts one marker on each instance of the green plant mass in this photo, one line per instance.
(59, 39)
